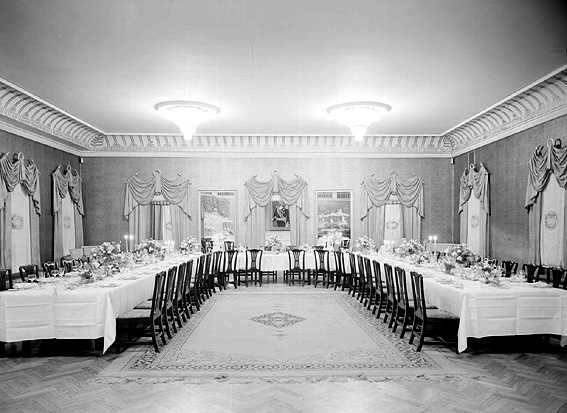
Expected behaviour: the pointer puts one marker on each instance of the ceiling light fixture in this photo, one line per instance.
(187, 115)
(358, 115)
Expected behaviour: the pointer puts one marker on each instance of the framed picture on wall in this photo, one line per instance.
(278, 217)
(218, 221)
(334, 213)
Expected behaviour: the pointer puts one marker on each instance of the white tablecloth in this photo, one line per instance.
(277, 262)
(88, 312)
(485, 310)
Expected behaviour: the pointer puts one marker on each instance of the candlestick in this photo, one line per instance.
(126, 242)
(435, 242)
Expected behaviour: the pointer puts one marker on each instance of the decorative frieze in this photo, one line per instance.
(540, 102)
(28, 110)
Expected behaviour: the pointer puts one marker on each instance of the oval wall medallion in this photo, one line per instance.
(392, 224)
(475, 220)
(17, 221)
(67, 222)
(551, 220)
(168, 226)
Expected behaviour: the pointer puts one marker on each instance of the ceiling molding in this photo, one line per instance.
(250, 145)
(539, 102)
(24, 108)
(529, 107)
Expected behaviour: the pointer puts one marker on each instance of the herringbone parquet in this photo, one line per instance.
(503, 375)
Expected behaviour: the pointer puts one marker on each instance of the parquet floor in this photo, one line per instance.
(504, 375)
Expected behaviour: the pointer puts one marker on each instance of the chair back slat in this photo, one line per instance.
(229, 245)
(401, 287)
(390, 291)
(254, 259)
(230, 259)
(296, 259)
(418, 295)
(49, 267)
(158, 295)
(27, 270)
(321, 260)
(378, 277)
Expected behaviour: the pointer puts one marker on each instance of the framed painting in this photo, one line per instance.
(334, 213)
(218, 216)
(277, 217)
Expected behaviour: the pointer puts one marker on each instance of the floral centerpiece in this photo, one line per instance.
(332, 238)
(274, 243)
(462, 255)
(189, 244)
(409, 248)
(366, 244)
(105, 256)
(151, 248)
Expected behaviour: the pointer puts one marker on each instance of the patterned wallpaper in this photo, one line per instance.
(507, 161)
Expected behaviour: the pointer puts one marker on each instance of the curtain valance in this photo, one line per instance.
(291, 192)
(409, 192)
(476, 183)
(67, 183)
(544, 161)
(210, 203)
(17, 172)
(141, 192)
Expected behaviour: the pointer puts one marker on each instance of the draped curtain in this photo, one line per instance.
(377, 194)
(142, 216)
(293, 193)
(544, 162)
(69, 183)
(475, 211)
(210, 203)
(13, 173)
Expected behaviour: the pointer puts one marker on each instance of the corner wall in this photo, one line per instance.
(507, 162)
(46, 159)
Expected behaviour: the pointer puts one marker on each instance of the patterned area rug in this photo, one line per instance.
(290, 335)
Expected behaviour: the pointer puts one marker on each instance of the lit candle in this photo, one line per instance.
(126, 242)
(435, 242)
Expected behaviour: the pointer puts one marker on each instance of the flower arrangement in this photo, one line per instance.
(151, 247)
(365, 243)
(274, 243)
(105, 253)
(409, 248)
(189, 244)
(333, 237)
(462, 254)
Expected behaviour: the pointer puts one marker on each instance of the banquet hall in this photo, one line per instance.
(145, 137)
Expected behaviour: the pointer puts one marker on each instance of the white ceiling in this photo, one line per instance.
(274, 67)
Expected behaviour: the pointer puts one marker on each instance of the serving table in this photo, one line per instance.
(515, 307)
(67, 308)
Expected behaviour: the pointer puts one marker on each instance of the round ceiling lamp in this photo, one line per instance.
(358, 116)
(187, 115)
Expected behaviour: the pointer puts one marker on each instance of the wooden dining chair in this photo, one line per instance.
(322, 267)
(230, 269)
(229, 245)
(168, 312)
(296, 267)
(343, 276)
(429, 322)
(67, 264)
(28, 271)
(187, 307)
(391, 302)
(531, 271)
(361, 275)
(6, 282)
(354, 287)
(252, 267)
(370, 283)
(381, 297)
(404, 311)
(144, 322)
(216, 277)
(178, 301)
(49, 267)
(509, 268)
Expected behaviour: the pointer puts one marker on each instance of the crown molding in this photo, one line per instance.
(22, 108)
(237, 145)
(540, 102)
(27, 115)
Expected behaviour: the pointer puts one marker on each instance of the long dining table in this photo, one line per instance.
(514, 307)
(68, 308)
